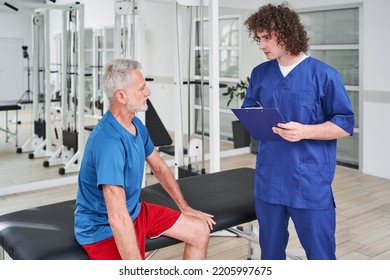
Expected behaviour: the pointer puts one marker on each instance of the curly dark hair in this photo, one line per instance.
(284, 23)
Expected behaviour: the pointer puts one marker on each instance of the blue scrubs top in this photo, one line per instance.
(299, 174)
(112, 156)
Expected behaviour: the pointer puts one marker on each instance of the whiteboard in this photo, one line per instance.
(12, 77)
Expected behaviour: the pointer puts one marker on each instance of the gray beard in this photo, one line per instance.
(142, 108)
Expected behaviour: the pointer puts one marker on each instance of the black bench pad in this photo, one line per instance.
(46, 232)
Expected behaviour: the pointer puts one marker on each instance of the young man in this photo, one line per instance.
(110, 222)
(294, 176)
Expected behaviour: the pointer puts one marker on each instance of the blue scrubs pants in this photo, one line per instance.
(315, 229)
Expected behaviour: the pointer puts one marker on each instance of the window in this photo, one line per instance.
(229, 70)
(334, 39)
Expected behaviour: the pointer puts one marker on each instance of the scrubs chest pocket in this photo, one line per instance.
(298, 106)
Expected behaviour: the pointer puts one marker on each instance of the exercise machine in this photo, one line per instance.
(40, 144)
(71, 150)
(213, 81)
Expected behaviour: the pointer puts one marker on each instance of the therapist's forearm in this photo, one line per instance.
(325, 131)
(294, 131)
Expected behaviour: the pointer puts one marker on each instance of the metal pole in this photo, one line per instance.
(214, 87)
(202, 81)
(189, 84)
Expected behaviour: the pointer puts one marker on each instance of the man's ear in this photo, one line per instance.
(120, 96)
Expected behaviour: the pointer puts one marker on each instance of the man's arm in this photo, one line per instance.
(294, 131)
(169, 183)
(121, 224)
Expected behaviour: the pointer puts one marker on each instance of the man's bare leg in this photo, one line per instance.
(195, 233)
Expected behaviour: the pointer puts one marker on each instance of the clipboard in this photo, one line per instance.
(259, 122)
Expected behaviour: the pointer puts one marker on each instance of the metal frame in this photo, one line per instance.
(70, 158)
(8, 132)
(214, 144)
(37, 145)
(41, 24)
(97, 92)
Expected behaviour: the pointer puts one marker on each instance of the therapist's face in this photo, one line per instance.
(270, 47)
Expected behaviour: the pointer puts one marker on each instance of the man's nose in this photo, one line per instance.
(147, 92)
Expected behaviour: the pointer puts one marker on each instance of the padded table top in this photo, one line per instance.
(46, 232)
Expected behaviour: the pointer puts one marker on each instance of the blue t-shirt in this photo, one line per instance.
(112, 156)
(299, 174)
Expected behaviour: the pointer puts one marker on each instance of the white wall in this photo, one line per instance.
(96, 13)
(376, 88)
(159, 58)
(13, 25)
(17, 28)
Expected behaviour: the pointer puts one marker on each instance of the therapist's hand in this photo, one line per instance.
(295, 132)
(292, 131)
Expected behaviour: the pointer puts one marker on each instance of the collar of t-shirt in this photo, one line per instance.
(287, 69)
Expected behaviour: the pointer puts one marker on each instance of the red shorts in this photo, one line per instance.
(152, 221)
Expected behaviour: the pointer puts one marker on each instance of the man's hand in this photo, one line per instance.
(208, 218)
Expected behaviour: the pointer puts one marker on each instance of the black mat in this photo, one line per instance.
(46, 232)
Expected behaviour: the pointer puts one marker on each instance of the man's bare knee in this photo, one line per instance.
(190, 230)
(204, 231)
(201, 234)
